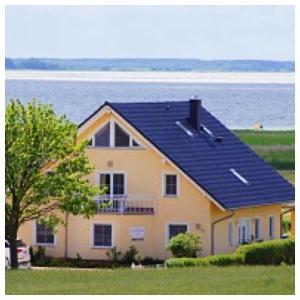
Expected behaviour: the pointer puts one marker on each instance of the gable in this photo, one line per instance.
(106, 113)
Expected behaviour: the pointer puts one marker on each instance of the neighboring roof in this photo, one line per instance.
(229, 170)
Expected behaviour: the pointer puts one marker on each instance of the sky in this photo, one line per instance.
(202, 32)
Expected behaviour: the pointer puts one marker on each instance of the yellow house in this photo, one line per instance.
(168, 167)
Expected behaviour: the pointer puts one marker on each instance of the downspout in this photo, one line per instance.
(213, 230)
(281, 217)
(66, 235)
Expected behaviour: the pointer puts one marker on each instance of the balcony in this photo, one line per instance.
(126, 204)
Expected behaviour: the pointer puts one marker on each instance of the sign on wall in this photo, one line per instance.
(137, 233)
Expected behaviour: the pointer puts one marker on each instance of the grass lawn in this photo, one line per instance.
(275, 147)
(201, 280)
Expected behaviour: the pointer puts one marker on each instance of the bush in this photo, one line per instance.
(185, 245)
(272, 252)
(148, 260)
(113, 255)
(130, 256)
(214, 260)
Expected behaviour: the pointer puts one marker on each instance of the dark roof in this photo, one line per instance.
(214, 166)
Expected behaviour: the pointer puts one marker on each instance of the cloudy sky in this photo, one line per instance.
(204, 32)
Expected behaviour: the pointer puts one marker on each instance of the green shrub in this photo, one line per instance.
(130, 255)
(272, 252)
(114, 256)
(221, 260)
(184, 245)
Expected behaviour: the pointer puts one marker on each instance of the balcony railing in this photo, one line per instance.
(126, 204)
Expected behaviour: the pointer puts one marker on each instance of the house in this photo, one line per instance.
(169, 167)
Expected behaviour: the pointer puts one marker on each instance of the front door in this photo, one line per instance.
(244, 231)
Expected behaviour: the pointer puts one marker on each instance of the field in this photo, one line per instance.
(276, 147)
(203, 280)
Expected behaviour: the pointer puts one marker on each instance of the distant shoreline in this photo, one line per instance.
(149, 65)
(156, 77)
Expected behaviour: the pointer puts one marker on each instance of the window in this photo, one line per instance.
(257, 229)
(244, 232)
(102, 235)
(114, 183)
(102, 137)
(122, 139)
(118, 184)
(135, 144)
(175, 229)
(105, 183)
(271, 227)
(230, 234)
(170, 183)
(44, 234)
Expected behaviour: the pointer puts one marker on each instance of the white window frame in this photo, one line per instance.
(111, 173)
(249, 229)
(274, 226)
(167, 229)
(92, 242)
(163, 187)
(259, 229)
(112, 128)
(230, 233)
(34, 232)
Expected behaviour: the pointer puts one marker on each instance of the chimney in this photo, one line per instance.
(195, 112)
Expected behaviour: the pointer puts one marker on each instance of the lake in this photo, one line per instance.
(239, 100)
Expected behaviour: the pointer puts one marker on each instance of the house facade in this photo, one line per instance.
(168, 168)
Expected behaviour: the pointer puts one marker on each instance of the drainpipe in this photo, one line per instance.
(66, 235)
(281, 217)
(213, 230)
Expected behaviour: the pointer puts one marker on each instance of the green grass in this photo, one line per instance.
(275, 147)
(256, 137)
(202, 280)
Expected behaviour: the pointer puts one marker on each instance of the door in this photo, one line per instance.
(244, 231)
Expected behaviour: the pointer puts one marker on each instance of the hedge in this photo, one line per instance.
(272, 252)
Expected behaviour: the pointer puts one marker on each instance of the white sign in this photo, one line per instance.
(137, 233)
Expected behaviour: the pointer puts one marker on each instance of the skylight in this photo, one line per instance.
(187, 131)
(239, 176)
(206, 130)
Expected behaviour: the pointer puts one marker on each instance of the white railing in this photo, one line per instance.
(126, 204)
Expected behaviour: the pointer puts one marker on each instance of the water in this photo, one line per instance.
(237, 105)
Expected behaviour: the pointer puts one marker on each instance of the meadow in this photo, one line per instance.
(250, 280)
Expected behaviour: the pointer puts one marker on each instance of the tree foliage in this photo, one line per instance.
(45, 167)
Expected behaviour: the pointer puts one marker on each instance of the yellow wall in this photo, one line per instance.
(144, 168)
(221, 229)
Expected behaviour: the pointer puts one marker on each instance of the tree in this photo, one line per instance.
(45, 169)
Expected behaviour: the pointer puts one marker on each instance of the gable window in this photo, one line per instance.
(257, 229)
(114, 183)
(112, 135)
(230, 234)
(271, 227)
(102, 137)
(102, 235)
(44, 235)
(122, 139)
(170, 185)
(175, 229)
